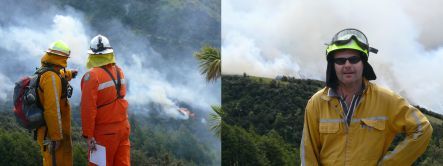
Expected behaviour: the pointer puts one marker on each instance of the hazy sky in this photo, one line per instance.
(286, 37)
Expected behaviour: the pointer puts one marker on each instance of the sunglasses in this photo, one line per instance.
(352, 60)
(344, 36)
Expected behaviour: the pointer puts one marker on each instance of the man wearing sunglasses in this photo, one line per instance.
(352, 121)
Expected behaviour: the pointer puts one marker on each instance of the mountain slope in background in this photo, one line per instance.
(264, 120)
(172, 26)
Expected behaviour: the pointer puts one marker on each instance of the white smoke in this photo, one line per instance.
(152, 80)
(30, 43)
(5, 88)
(152, 86)
(26, 44)
(271, 38)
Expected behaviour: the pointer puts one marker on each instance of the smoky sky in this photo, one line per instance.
(287, 37)
(27, 30)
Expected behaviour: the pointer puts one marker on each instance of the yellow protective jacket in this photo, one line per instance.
(57, 110)
(57, 114)
(380, 115)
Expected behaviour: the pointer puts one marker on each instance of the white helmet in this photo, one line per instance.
(100, 45)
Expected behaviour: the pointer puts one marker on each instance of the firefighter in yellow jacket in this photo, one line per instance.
(54, 90)
(353, 121)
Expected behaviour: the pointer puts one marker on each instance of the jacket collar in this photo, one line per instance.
(330, 93)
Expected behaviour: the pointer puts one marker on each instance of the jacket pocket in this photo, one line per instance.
(328, 128)
(374, 124)
(373, 134)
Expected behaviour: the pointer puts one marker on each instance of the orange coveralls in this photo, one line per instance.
(105, 117)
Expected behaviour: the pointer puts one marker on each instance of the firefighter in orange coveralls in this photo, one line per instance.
(55, 137)
(103, 107)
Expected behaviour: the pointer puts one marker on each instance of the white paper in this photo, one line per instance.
(98, 156)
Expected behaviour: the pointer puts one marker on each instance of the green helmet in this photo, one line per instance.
(350, 38)
(352, 44)
(59, 48)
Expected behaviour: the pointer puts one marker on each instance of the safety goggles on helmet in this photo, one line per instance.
(346, 35)
(352, 60)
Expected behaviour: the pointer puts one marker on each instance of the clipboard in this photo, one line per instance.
(98, 156)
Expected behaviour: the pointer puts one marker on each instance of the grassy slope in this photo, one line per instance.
(434, 120)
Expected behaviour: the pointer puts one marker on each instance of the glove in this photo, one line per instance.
(91, 143)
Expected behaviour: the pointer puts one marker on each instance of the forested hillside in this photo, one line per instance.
(154, 141)
(263, 121)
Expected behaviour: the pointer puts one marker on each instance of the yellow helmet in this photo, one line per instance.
(350, 39)
(59, 48)
(352, 44)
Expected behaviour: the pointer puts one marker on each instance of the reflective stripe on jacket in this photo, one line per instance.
(98, 89)
(381, 114)
(57, 110)
(57, 114)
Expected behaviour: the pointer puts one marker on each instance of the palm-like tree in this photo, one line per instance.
(210, 62)
(210, 65)
(215, 120)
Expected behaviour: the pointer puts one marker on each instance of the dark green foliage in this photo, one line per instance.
(80, 153)
(167, 140)
(154, 141)
(17, 148)
(240, 148)
(277, 151)
(268, 118)
(278, 106)
(264, 120)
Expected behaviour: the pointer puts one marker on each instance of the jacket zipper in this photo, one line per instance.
(345, 120)
(346, 127)
(346, 140)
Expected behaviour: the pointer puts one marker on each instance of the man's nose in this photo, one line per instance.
(347, 63)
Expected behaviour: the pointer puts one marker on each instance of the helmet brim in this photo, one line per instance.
(57, 53)
(107, 51)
